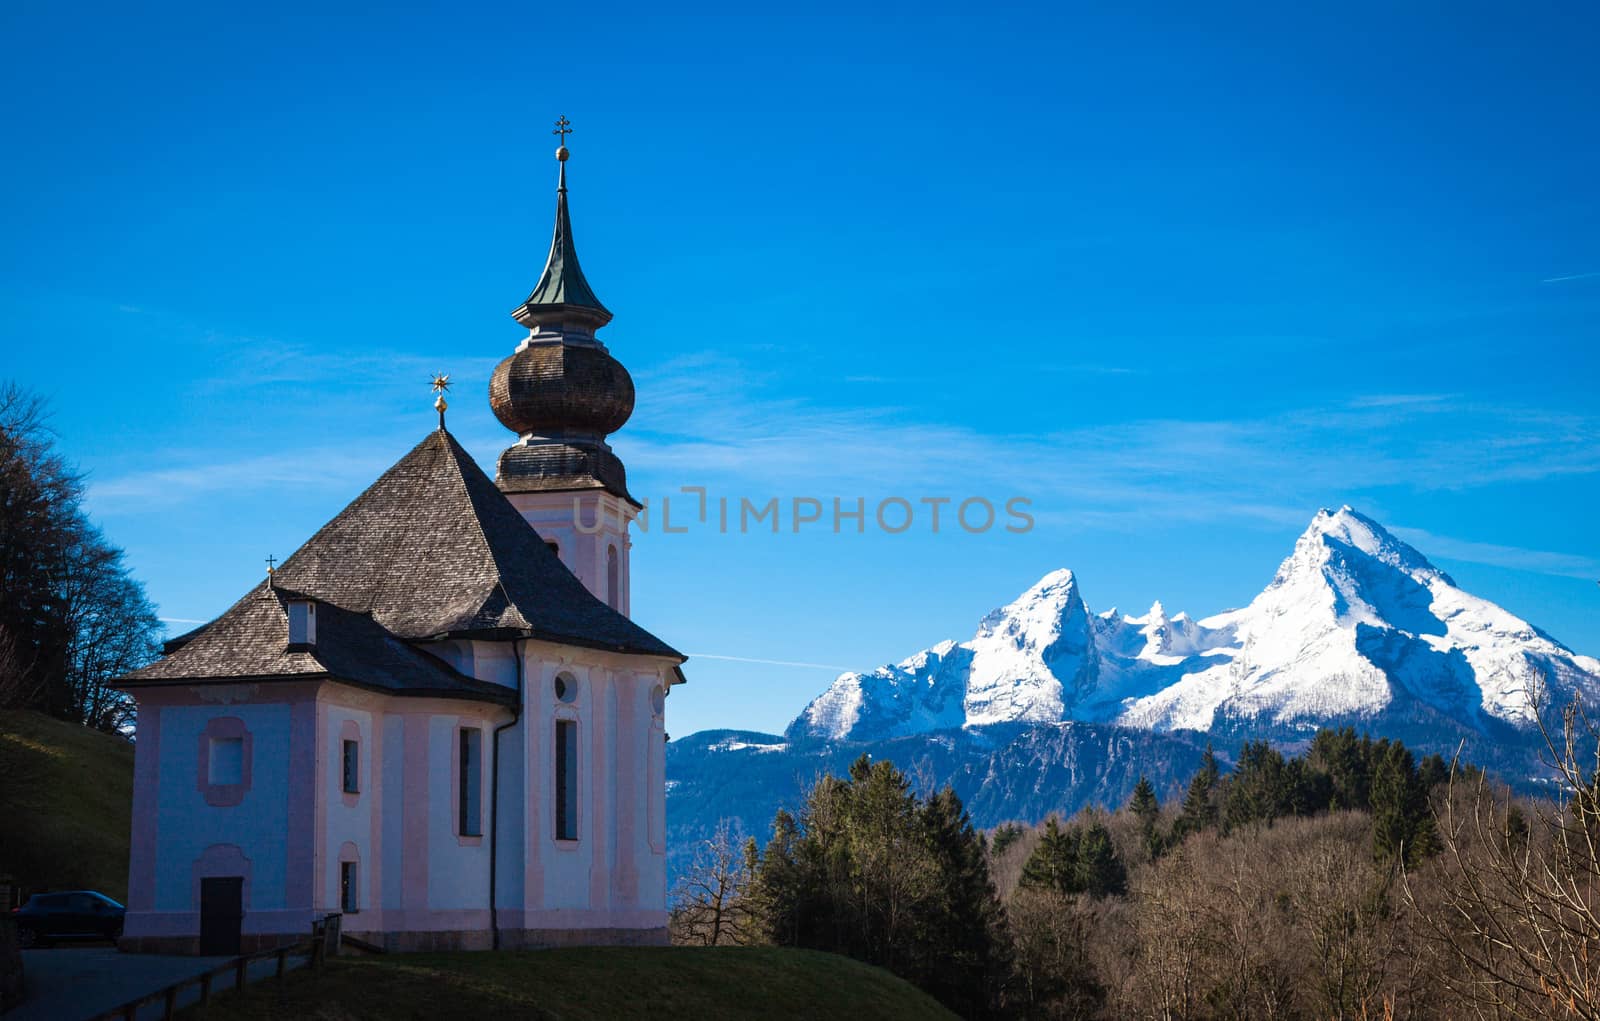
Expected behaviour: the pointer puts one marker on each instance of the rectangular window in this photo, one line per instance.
(352, 767)
(471, 744)
(302, 623)
(227, 761)
(566, 780)
(349, 902)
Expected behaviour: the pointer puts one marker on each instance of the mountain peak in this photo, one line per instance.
(1356, 624)
(1347, 530)
(1033, 658)
(1040, 609)
(1348, 525)
(1058, 580)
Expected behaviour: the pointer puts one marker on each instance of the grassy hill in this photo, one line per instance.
(66, 795)
(703, 983)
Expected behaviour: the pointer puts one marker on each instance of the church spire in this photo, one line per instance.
(561, 391)
(562, 297)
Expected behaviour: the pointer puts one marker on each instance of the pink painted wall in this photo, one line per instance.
(292, 823)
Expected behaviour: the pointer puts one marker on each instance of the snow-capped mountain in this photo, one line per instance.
(1356, 625)
(1029, 662)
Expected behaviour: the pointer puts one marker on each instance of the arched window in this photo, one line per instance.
(566, 756)
(613, 586)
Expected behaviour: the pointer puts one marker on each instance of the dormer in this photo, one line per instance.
(302, 624)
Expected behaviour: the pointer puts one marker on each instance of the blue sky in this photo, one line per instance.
(1179, 275)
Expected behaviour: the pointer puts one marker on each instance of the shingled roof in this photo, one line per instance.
(431, 550)
(250, 642)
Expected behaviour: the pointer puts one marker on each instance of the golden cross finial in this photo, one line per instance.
(563, 128)
(441, 383)
(272, 562)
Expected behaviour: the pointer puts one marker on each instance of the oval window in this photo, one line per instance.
(658, 699)
(566, 687)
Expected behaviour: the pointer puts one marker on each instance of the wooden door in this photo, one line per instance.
(221, 914)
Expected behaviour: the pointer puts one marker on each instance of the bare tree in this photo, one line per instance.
(71, 616)
(1050, 934)
(39, 496)
(19, 682)
(1342, 913)
(1171, 936)
(711, 907)
(113, 629)
(1515, 907)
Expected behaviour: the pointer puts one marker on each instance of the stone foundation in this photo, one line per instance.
(420, 941)
(249, 943)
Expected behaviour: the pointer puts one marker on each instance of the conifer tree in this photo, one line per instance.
(1006, 834)
(870, 870)
(1053, 863)
(1143, 803)
(962, 939)
(1147, 810)
(1346, 761)
(1402, 820)
(1097, 870)
(1433, 770)
(1208, 765)
(1258, 789)
(1199, 811)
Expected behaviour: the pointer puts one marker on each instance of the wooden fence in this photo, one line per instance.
(324, 940)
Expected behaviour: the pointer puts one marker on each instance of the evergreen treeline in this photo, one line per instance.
(1329, 884)
(870, 870)
(1339, 772)
(71, 615)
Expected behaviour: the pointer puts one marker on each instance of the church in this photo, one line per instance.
(436, 717)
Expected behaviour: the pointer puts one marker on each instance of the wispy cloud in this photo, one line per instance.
(717, 428)
(766, 662)
(254, 362)
(1092, 369)
(1400, 400)
(1574, 276)
(1567, 565)
(179, 620)
(707, 419)
(330, 467)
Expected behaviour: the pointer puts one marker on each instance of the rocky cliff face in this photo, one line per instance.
(1355, 624)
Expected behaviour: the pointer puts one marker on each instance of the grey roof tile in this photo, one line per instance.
(433, 548)
(430, 550)
(251, 642)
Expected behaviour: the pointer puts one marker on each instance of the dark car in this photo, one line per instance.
(68, 914)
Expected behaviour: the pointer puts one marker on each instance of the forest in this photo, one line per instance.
(1351, 880)
(72, 616)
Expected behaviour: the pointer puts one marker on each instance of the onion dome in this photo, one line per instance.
(561, 391)
(553, 387)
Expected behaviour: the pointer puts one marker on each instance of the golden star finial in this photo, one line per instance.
(441, 383)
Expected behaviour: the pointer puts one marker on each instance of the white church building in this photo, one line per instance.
(436, 717)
